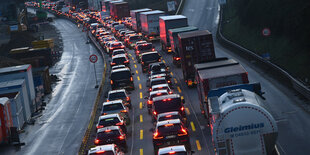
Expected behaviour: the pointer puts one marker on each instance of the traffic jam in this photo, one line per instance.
(143, 87)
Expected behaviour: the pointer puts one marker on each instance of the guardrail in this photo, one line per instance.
(269, 67)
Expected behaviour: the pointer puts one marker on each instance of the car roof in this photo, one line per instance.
(160, 85)
(149, 53)
(168, 113)
(109, 128)
(109, 116)
(177, 148)
(120, 70)
(158, 91)
(118, 66)
(158, 98)
(112, 102)
(108, 147)
(117, 91)
(170, 121)
(119, 56)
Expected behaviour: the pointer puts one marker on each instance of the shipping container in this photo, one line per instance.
(21, 72)
(135, 18)
(5, 120)
(150, 24)
(16, 109)
(18, 86)
(194, 47)
(166, 23)
(174, 42)
(121, 10)
(36, 57)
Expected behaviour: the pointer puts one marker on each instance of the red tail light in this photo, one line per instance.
(138, 52)
(142, 63)
(124, 111)
(127, 98)
(113, 63)
(169, 116)
(170, 92)
(150, 89)
(149, 102)
(172, 152)
(156, 136)
(126, 61)
(159, 60)
(107, 130)
(121, 137)
(182, 108)
(177, 58)
(120, 123)
(100, 126)
(131, 79)
(111, 82)
(97, 141)
(122, 46)
(183, 132)
(153, 49)
(154, 112)
(169, 81)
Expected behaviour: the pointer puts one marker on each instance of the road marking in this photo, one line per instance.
(179, 89)
(138, 78)
(140, 106)
(140, 95)
(135, 66)
(141, 118)
(132, 58)
(182, 97)
(134, 61)
(141, 134)
(141, 151)
(129, 54)
(164, 61)
(140, 86)
(137, 72)
(193, 126)
(175, 80)
(187, 111)
(171, 73)
(198, 145)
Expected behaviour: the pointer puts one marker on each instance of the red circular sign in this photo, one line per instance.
(266, 32)
(93, 58)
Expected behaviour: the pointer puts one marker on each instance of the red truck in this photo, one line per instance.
(119, 10)
(215, 74)
(194, 47)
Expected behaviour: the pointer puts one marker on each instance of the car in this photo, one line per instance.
(171, 115)
(109, 149)
(117, 28)
(131, 41)
(120, 59)
(113, 46)
(122, 78)
(112, 120)
(118, 67)
(119, 51)
(147, 58)
(140, 42)
(156, 81)
(170, 132)
(101, 34)
(142, 48)
(158, 66)
(161, 87)
(155, 77)
(176, 149)
(152, 95)
(111, 135)
(114, 107)
(167, 103)
(119, 94)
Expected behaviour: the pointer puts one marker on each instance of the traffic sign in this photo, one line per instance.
(93, 58)
(266, 32)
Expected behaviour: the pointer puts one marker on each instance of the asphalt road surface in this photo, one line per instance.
(62, 125)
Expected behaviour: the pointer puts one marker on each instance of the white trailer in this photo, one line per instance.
(239, 122)
(150, 24)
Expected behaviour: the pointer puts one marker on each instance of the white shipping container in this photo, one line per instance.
(150, 22)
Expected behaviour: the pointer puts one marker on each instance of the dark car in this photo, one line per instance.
(176, 150)
(122, 78)
(157, 81)
(171, 115)
(113, 46)
(112, 120)
(147, 58)
(152, 95)
(158, 67)
(142, 48)
(167, 103)
(170, 132)
(119, 51)
(131, 41)
(120, 59)
(111, 135)
(119, 94)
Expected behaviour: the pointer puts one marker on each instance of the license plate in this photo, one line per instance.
(169, 137)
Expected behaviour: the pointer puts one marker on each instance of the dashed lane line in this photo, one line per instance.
(140, 95)
(141, 118)
(193, 126)
(141, 134)
(175, 80)
(138, 78)
(140, 106)
(141, 151)
(135, 66)
(198, 145)
(171, 73)
(140, 86)
(179, 89)
(137, 72)
(187, 111)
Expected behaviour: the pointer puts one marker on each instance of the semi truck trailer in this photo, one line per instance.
(150, 24)
(135, 18)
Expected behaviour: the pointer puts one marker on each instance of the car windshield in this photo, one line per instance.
(119, 60)
(158, 94)
(150, 57)
(160, 88)
(145, 47)
(108, 134)
(109, 121)
(121, 75)
(117, 45)
(135, 38)
(168, 117)
(176, 153)
(115, 96)
(169, 128)
(112, 107)
(167, 105)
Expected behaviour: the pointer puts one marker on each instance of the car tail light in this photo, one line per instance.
(107, 130)
(113, 63)
(169, 116)
(121, 137)
(172, 152)
(126, 61)
(122, 46)
(120, 123)
(154, 112)
(97, 141)
(124, 111)
(149, 102)
(111, 82)
(100, 152)
(153, 49)
(170, 92)
(111, 48)
(108, 100)
(131, 79)
(142, 63)
(127, 98)
(100, 126)
(183, 132)
(156, 136)
(177, 58)
(169, 81)
(182, 108)
(138, 52)
(150, 89)
(159, 60)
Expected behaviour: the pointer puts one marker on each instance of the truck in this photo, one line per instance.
(194, 47)
(166, 23)
(240, 123)
(150, 24)
(216, 74)
(135, 18)
(119, 10)
(174, 42)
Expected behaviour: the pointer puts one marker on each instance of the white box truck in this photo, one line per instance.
(135, 18)
(150, 24)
